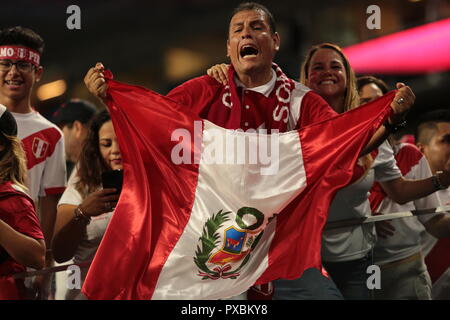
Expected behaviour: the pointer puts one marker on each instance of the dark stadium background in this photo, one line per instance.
(159, 44)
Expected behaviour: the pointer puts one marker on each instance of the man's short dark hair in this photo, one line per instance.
(427, 124)
(22, 36)
(74, 110)
(363, 80)
(253, 6)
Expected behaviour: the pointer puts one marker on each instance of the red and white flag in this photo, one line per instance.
(200, 229)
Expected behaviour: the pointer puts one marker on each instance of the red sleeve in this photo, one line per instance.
(19, 213)
(408, 156)
(314, 109)
(196, 94)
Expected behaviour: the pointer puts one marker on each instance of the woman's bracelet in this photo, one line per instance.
(393, 128)
(437, 181)
(81, 216)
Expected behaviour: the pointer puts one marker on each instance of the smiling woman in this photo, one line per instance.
(327, 71)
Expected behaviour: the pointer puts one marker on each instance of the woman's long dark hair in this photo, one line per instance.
(91, 164)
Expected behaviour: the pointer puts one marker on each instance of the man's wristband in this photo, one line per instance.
(437, 182)
(393, 128)
(81, 216)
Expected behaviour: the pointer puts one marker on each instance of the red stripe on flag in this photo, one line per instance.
(156, 199)
(329, 165)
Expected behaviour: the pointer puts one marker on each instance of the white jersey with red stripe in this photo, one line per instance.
(406, 240)
(43, 143)
(428, 241)
(350, 202)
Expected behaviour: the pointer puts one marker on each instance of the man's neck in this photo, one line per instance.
(22, 106)
(255, 79)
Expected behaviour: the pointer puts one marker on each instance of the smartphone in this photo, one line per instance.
(113, 179)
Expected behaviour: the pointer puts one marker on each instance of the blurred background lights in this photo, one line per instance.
(51, 90)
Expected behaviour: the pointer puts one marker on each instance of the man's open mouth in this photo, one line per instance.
(248, 50)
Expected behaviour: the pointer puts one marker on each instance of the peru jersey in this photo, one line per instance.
(251, 109)
(407, 238)
(44, 147)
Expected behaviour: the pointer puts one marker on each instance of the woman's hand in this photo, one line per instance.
(99, 202)
(95, 81)
(402, 103)
(219, 72)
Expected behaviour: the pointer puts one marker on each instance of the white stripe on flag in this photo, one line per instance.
(229, 188)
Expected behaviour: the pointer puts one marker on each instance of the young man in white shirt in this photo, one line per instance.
(433, 139)
(20, 70)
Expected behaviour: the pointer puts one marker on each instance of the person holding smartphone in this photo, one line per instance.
(85, 208)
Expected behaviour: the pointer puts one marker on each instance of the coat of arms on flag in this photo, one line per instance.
(237, 244)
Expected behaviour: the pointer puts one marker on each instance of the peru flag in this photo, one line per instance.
(201, 216)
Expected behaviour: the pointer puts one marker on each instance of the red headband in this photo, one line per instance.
(20, 53)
